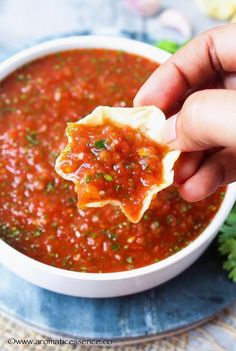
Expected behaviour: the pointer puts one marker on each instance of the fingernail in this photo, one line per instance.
(169, 131)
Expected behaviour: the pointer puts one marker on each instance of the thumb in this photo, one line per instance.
(206, 119)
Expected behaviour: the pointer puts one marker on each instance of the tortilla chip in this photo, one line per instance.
(148, 121)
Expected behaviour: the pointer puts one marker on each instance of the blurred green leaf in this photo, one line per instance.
(227, 244)
(169, 45)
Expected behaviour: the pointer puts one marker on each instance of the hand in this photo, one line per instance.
(199, 82)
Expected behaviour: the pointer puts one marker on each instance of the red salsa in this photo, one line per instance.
(110, 162)
(38, 211)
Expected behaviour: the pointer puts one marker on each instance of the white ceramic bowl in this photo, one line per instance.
(106, 284)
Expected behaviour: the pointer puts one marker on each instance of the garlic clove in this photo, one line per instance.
(175, 19)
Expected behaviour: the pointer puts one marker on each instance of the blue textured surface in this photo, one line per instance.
(196, 294)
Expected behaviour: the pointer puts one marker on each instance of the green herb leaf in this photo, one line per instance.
(50, 187)
(227, 244)
(98, 175)
(21, 77)
(23, 96)
(114, 247)
(88, 178)
(15, 232)
(100, 144)
(6, 109)
(32, 137)
(37, 233)
(129, 259)
(108, 177)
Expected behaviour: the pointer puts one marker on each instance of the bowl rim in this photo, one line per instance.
(152, 53)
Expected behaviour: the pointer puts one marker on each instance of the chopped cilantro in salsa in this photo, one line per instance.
(100, 144)
(32, 137)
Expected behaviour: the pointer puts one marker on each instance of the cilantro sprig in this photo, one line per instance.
(227, 244)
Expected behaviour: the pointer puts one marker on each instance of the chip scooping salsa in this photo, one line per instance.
(115, 155)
